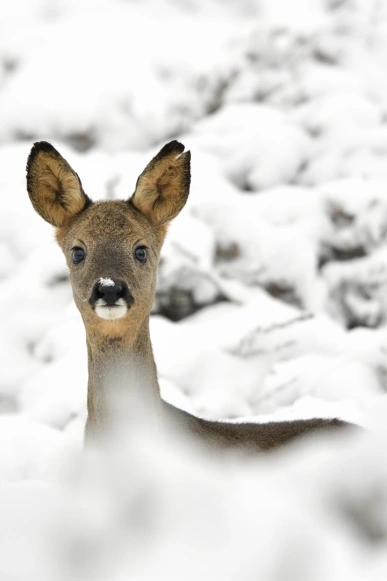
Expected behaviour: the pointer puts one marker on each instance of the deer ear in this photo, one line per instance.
(54, 188)
(163, 187)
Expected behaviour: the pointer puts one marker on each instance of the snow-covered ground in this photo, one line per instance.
(272, 288)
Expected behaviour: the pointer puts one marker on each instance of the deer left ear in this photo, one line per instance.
(54, 188)
(163, 187)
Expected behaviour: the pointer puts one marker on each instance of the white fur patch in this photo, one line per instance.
(106, 282)
(111, 312)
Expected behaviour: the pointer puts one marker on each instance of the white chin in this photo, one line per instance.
(111, 313)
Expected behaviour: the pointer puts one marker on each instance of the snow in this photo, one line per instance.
(271, 292)
(106, 282)
(258, 145)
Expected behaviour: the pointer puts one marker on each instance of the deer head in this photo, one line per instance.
(111, 247)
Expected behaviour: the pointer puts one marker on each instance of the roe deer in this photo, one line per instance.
(112, 250)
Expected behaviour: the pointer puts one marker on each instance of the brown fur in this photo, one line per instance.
(163, 187)
(54, 188)
(119, 351)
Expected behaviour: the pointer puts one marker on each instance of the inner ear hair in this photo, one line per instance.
(54, 188)
(162, 188)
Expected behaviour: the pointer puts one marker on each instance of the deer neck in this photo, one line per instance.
(123, 385)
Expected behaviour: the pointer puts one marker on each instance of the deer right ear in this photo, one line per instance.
(54, 188)
(163, 187)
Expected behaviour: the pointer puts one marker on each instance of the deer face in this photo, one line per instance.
(111, 248)
(112, 253)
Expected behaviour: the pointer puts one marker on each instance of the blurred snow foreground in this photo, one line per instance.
(154, 508)
(271, 299)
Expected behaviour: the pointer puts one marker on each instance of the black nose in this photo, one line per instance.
(110, 291)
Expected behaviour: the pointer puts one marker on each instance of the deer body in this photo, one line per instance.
(112, 249)
(108, 355)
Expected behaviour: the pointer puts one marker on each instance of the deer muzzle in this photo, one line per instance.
(111, 298)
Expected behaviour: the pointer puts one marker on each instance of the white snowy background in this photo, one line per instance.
(272, 288)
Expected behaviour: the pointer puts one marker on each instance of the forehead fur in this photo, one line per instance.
(111, 219)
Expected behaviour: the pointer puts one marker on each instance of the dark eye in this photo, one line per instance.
(140, 253)
(78, 255)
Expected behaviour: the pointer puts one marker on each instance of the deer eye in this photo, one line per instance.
(78, 255)
(140, 253)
